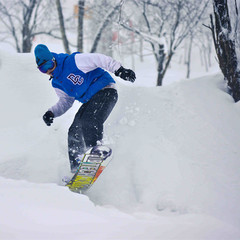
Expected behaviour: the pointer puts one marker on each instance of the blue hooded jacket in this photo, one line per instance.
(74, 82)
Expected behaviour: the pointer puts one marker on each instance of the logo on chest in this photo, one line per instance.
(75, 79)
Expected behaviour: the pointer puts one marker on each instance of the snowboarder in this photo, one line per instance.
(81, 76)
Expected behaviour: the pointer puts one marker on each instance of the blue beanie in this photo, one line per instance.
(42, 54)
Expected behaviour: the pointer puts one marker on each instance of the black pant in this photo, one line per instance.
(87, 127)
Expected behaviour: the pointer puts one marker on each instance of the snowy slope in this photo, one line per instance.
(174, 175)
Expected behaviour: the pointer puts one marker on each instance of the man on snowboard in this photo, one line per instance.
(81, 76)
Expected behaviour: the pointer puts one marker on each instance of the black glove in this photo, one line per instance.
(126, 74)
(48, 118)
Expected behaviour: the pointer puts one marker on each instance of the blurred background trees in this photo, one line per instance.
(165, 25)
(133, 29)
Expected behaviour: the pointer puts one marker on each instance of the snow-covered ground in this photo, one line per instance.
(174, 175)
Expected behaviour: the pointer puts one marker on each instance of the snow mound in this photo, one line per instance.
(175, 165)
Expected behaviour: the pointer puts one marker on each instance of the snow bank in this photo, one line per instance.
(176, 147)
(174, 174)
(47, 211)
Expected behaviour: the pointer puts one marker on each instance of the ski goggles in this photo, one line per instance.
(46, 65)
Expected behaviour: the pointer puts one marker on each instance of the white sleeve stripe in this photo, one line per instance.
(87, 62)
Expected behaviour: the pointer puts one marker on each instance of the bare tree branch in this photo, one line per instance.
(103, 26)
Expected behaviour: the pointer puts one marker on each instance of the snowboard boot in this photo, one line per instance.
(75, 164)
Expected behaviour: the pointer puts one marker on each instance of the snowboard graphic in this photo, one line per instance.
(91, 166)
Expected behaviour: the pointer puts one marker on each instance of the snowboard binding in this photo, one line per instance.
(101, 151)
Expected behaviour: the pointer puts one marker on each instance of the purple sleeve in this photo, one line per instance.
(64, 103)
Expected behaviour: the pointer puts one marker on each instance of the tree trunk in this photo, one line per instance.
(161, 59)
(225, 47)
(62, 27)
(81, 4)
(26, 31)
(141, 49)
(188, 62)
(26, 42)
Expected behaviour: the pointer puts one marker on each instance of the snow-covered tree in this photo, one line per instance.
(92, 23)
(164, 25)
(101, 21)
(224, 32)
(20, 19)
(103, 24)
(80, 25)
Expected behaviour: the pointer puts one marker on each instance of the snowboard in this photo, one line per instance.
(93, 163)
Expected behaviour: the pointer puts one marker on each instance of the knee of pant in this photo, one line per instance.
(90, 124)
(73, 129)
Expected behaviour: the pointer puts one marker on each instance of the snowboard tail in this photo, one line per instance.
(93, 163)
